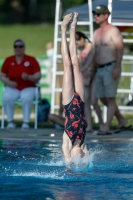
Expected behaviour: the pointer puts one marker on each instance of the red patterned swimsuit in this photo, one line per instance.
(75, 123)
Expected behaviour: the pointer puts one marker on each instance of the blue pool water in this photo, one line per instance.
(35, 170)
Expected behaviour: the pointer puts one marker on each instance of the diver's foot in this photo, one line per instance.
(66, 21)
(75, 18)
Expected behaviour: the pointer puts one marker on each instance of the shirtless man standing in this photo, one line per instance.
(107, 48)
(72, 95)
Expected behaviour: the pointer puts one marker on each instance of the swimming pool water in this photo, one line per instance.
(35, 170)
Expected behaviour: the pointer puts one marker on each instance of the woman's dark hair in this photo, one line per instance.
(80, 35)
(19, 40)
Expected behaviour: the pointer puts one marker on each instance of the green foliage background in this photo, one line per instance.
(35, 36)
(32, 11)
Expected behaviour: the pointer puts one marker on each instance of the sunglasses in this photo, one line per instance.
(18, 46)
(98, 14)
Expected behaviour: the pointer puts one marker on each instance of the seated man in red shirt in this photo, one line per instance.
(19, 73)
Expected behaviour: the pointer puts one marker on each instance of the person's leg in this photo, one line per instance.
(68, 82)
(56, 119)
(9, 97)
(104, 101)
(27, 96)
(121, 120)
(88, 109)
(61, 107)
(94, 102)
(110, 88)
(111, 109)
(78, 78)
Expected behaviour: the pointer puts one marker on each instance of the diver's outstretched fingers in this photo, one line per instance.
(75, 18)
(66, 20)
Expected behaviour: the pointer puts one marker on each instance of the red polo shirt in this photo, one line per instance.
(14, 71)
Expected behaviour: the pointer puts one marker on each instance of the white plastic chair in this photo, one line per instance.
(35, 102)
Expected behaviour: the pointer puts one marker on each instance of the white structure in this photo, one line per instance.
(57, 58)
(121, 17)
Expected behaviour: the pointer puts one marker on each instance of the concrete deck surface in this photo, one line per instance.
(48, 134)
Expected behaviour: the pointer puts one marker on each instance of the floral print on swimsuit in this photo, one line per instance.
(75, 123)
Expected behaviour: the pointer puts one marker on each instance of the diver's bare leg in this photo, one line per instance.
(68, 83)
(78, 79)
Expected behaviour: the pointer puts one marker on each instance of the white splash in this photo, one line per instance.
(85, 163)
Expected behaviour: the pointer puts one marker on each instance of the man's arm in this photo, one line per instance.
(118, 42)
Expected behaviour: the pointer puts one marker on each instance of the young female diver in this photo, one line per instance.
(72, 95)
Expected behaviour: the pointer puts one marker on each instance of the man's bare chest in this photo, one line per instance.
(103, 40)
(103, 36)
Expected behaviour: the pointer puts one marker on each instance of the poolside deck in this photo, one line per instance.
(49, 134)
